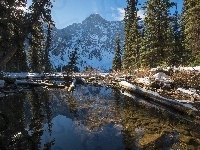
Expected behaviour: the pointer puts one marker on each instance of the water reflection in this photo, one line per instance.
(73, 135)
(89, 118)
(26, 115)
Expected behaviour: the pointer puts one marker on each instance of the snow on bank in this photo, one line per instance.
(190, 91)
(22, 74)
(196, 68)
(160, 77)
(145, 80)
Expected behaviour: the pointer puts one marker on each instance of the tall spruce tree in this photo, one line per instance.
(177, 55)
(117, 62)
(158, 34)
(190, 23)
(131, 46)
(46, 59)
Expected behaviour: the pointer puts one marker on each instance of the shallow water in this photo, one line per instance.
(90, 118)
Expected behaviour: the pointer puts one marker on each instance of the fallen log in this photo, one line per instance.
(185, 108)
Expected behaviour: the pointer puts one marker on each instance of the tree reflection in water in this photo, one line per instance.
(26, 115)
(117, 97)
(73, 105)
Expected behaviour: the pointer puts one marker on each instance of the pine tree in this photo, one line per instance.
(117, 62)
(190, 23)
(131, 46)
(158, 33)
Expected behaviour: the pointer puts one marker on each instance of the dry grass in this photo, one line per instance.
(186, 79)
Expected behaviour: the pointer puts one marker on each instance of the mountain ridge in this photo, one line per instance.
(94, 38)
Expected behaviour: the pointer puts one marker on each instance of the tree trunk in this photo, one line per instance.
(7, 57)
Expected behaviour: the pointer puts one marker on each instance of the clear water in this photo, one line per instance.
(90, 118)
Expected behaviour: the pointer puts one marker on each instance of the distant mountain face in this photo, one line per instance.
(94, 38)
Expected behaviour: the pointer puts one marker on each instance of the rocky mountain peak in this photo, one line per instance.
(94, 18)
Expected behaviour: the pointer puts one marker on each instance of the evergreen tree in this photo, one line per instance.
(46, 59)
(190, 23)
(11, 20)
(73, 60)
(71, 66)
(117, 62)
(158, 35)
(177, 55)
(16, 25)
(131, 44)
(36, 47)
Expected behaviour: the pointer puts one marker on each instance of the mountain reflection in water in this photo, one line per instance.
(90, 118)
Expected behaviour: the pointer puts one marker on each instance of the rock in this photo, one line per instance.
(148, 138)
(156, 85)
(182, 131)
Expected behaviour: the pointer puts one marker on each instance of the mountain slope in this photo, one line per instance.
(94, 38)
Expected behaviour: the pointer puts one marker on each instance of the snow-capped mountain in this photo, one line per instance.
(94, 38)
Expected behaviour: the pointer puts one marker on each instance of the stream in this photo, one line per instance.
(90, 118)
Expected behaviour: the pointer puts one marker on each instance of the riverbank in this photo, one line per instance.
(167, 87)
(174, 83)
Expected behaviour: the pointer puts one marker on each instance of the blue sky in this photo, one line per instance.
(67, 12)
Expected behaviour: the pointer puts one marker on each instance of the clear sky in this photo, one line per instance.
(67, 12)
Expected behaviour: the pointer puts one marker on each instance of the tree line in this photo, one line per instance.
(23, 31)
(160, 39)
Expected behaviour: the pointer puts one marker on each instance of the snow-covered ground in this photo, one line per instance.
(22, 74)
(195, 68)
